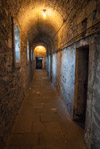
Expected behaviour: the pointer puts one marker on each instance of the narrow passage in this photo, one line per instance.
(42, 121)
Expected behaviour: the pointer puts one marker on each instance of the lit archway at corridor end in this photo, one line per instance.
(40, 57)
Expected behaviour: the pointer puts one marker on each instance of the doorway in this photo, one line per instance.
(81, 84)
(38, 62)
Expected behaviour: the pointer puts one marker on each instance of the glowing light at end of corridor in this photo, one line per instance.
(40, 47)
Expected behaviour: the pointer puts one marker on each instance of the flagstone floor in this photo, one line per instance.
(42, 121)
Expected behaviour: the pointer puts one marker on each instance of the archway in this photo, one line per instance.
(40, 57)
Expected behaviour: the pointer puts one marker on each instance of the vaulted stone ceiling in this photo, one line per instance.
(29, 14)
(36, 28)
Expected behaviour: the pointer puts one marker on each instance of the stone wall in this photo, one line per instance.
(93, 111)
(14, 79)
(81, 29)
(81, 22)
(63, 77)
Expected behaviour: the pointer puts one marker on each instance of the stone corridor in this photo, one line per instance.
(42, 121)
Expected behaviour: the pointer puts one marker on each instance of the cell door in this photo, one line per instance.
(81, 84)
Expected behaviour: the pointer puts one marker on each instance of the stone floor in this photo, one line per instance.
(42, 121)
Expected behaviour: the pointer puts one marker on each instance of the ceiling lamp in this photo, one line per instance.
(44, 13)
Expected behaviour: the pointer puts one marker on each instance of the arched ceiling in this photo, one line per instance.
(34, 15)
(43, 39)
(36, 28)
(33, 22)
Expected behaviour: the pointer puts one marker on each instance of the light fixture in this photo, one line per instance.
(44, 13)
